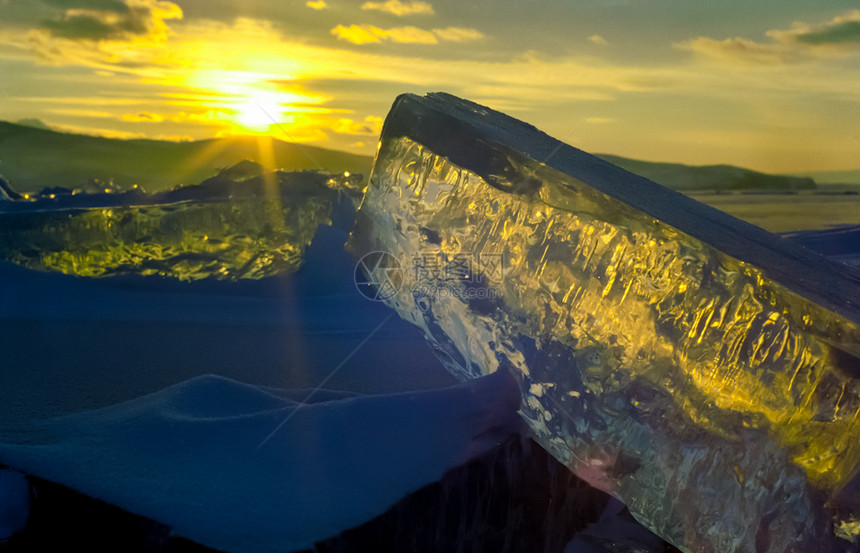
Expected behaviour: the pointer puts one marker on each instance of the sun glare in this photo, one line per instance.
(259, 111)
(250, 102)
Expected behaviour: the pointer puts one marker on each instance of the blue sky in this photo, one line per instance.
(773, 85)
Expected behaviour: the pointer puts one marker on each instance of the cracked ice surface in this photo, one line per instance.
(698, 368)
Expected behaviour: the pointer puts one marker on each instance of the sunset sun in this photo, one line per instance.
(259, 111)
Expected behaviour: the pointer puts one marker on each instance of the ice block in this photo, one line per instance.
(702, 370)
(226, 227)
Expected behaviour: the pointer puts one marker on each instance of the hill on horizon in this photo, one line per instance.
(691, 178)
(831, 178)
(33, 158)
(35, 123)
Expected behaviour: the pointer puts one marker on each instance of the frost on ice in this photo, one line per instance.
(701, 369)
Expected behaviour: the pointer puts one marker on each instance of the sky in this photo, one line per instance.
(772, 85)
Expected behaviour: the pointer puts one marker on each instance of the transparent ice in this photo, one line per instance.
(228, 227)
(710, 393)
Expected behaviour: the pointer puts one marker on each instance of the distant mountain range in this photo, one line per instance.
(33, 157)
(689, 178)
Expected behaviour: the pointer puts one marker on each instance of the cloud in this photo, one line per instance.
(97, 20)
(82, 27)
(143, 117)
(835, 38)
(398, 8)
(83, 101)
(741, 51)
(95, 131)
(103, 34)
(843, 30)
(81, 112)
(554, 92)
(372, 126)
(406, 35)
(116, 6)
(367, 34)
(598, 40)
(458, 34)
(358, 34)
(316, 4)
(173, 137)
(848, 32)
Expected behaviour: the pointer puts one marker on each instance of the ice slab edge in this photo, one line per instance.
(491, 144)
(697, 367)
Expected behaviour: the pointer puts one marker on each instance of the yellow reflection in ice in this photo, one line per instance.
(648, 308)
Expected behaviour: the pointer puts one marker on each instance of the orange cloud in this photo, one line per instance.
(398, 8)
